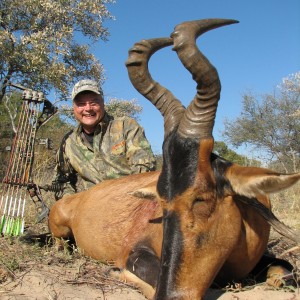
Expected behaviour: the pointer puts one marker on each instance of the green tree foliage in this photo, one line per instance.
(44, 44)
(271, 124)
(121, 108)
(222, 150)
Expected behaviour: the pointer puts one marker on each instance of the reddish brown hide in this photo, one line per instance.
(113, 218)
(214, 213)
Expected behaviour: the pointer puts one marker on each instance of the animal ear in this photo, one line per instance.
(252, 181)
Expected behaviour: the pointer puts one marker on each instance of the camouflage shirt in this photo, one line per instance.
(119, 147)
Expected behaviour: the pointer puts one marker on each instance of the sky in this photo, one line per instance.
(253, 55)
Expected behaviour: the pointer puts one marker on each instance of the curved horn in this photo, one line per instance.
(137, 66)
(199, 118)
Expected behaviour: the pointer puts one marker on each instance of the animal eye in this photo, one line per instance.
(198, 200)
(201, 208)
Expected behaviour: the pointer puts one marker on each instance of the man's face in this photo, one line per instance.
(88, 110)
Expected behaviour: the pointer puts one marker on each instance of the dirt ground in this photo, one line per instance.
(31, 271)
(45, 281)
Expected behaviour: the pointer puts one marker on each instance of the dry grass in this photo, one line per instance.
(19, 257)
(286, 204)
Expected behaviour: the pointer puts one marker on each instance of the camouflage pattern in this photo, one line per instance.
(86, 85)
(119, 148)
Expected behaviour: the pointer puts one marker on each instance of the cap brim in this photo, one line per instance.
(85, 88)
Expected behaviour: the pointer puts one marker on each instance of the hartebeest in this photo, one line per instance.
(201, 219)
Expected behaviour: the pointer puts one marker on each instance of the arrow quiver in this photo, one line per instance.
(35, 111)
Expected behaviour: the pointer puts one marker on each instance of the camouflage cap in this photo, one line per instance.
(86, 85)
